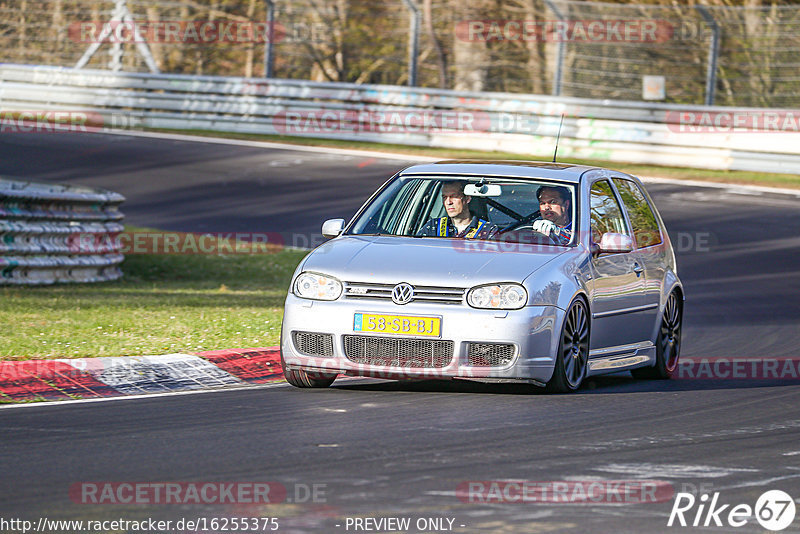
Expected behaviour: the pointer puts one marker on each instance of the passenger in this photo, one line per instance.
(555, 213)
(459, 221)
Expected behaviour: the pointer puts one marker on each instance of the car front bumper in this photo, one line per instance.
(531, 330)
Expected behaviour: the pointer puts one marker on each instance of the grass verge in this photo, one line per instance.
(163, 304)
(791, 181)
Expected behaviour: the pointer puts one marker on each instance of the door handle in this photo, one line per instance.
(638, 269)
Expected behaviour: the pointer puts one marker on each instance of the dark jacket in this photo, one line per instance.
(444, 227)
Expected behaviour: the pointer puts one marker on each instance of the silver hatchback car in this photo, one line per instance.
(495, 271)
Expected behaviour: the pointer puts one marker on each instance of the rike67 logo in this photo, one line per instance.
(774, 510)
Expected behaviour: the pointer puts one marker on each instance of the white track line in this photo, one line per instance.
(268, 385)
(417, 158)
(735, 188)
(278, 146)
(50, 403)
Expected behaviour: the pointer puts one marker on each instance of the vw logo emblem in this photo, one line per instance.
(402, 293)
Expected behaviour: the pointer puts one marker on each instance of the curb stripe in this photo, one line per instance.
(48, 379)
(93, 378)
(256, 366)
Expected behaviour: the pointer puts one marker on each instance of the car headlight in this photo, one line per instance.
(498, 297)
(317, 286)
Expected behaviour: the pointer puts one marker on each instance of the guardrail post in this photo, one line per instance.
(269, 58)
(120, 15)
(115, 61)
(559, 52)
(413, 42)
(713, 54)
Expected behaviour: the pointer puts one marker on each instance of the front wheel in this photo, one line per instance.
(573, 350)
(305, 379)
(668, 342)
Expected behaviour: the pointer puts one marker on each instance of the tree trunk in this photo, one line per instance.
(58, 24)
(427, 13)
(23, 27)
(251, 46)
(470, 57)
(537, 52)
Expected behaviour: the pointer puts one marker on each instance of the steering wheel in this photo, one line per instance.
(526, 224)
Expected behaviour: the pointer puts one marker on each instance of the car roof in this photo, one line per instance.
(565, 172)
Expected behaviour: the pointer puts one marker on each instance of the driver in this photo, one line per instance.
(554, 208)
(459, 221)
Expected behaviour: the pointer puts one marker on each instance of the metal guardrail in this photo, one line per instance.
(527, 124)
(43, 229)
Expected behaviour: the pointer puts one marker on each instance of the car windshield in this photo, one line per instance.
(472, 208)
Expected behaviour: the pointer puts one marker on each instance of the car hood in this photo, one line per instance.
(428, 261)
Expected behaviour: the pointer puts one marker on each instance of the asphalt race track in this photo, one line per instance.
(377, 449)
(204, 187)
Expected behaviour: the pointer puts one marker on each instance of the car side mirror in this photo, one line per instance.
(332, 228)
(614, 243)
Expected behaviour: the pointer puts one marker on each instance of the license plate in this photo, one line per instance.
(407, 325)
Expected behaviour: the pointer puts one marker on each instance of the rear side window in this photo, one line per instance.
(605, 212)
(643, 220)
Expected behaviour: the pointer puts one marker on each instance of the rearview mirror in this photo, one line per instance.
(484, 190)
(332, 228)
(613, 243)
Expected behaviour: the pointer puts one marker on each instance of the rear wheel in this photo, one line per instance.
(573, 350)
(668, 342)
(306, 379)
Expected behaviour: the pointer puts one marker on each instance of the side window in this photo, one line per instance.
(393, 212)
(605, 211)
(643, 220)
(426, 204)
(410, 211)
(385, 214)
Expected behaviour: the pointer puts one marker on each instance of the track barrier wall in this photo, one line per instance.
(40, 229)
(41, 98)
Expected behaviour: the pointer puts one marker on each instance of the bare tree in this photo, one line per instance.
(427, 13)
(470, 56)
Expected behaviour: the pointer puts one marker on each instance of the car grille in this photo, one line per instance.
(313, 344)
(430, 294)
(398, 352)
(490, 354)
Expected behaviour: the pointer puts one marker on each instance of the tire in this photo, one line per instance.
(573, 350)
(668, 342)
(304, 379)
